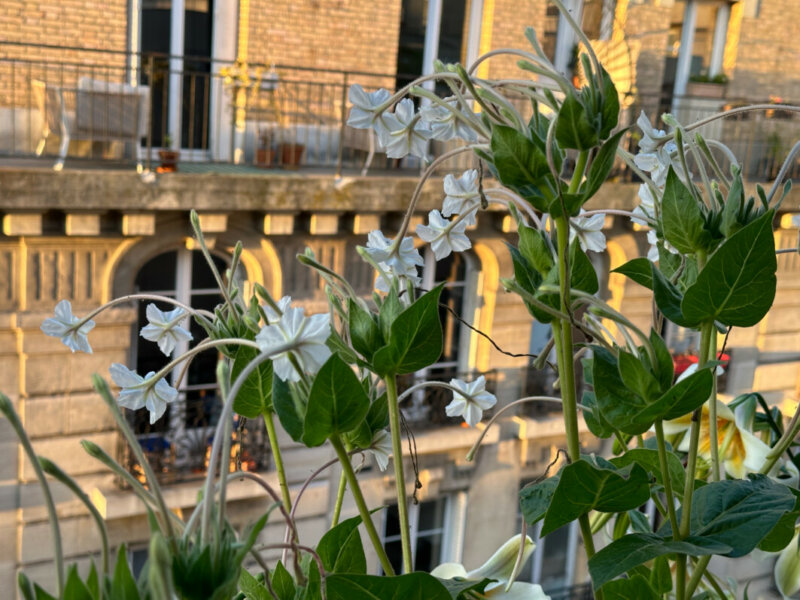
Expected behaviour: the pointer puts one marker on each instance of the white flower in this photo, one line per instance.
(163, 328)
(362, 115)
(66, 326)
(651, 137)
(646, 210)
(395, 263)
(461, 195)
(444, 123)
(308, 335)
(589, 231)
(472, 400)
(499, 567)
(141, 392)
(787, 569)
(405, 133)
(381, 448)
(283, 305)
(444, 236)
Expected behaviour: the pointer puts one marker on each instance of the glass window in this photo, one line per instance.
(427, 529)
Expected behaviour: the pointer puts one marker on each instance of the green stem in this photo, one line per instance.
(400, 481)
(8, 411)
(712, 408)
(662, 459)
(580, 168)
(697, 575)
(337, 508)
(272, 434)
(562, 334)
(680, 577)
(366, 518)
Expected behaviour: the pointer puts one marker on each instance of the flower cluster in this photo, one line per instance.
(405, 131)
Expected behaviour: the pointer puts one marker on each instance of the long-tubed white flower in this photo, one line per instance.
(461, 195)
(69, 328)
(142, 392)
(444, 236)
(164, 329)
(395, 261)
(307, 335)
(405, 132)
(470, 401)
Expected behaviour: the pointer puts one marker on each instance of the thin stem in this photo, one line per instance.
(195, 220)
(662, 459)
(735, 111)
(400, 481)
(337, 508)
(783, 443)
(697, 575)
(366, 518)
(498, 414)
(154, 297)
(712, 408)
(782, 173)
(8, 411)
(272, 434)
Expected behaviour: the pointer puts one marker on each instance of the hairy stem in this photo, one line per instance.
(272, 434)
(366, 518)
(400, 481)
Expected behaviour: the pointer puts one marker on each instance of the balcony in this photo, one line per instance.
(120, 107)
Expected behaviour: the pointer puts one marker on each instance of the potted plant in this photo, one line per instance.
(168, 157)
(265, 155)
(705, 86)
(290, 153)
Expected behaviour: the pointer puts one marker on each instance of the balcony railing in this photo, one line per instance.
(178, 446)
(213, 111)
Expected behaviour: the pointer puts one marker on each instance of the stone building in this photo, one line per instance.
(97, 230)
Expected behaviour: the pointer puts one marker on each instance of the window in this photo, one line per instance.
(427, 523)
(177, 443)
(459, 273)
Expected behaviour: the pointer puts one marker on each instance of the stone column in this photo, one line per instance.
(720, 37)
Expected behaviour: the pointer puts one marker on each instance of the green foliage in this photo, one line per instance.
(255, 396)
(337, 403)
(413, 586)
(341, 550)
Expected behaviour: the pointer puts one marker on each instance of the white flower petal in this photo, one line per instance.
(123, 376)
(787, 569)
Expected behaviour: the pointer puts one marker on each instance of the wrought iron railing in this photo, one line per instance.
(178, 446)
(214, 111)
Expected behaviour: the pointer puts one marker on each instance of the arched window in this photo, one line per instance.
(177, 444)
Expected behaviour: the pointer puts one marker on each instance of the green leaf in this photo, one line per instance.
(601, 165)
(415, 339)
(737, 285)
(573, 129)
(669, 300)
(282, 583)
(637, 377)
(661, 576)
(365, 334)
(389, 311)
(684, 397)
(341, 550)
(290, 409)
(535, 499)
(413, 586)
(648, 460)
(664, 367)
(635, 588)
(123, 585)
(520, 163)
(458, 588)
(252, 589)
(592, 415)
(732, 212)
(75, 588)
(635, 549)
(609, 112)
(639, 270)
(682, 218)
(534, 248)
(255, 396)
(782, 534)
(93, 581)
(597, 484)
(336, 403)
(617, 403)
(737, 513)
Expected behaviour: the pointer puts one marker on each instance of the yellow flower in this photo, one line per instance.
(740, 451)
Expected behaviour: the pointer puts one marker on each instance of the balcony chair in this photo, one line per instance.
(103, 111)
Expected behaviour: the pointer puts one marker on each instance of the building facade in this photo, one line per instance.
(226, 79)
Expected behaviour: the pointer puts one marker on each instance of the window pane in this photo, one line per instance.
(554, 559)
(429, 552)
(392, 521)
(202, 277)
(394, 550)
(431, 515)
(158, 274)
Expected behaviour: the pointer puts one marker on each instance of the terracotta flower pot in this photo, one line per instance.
(169, 161)
(291, 155)
(265, 157)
